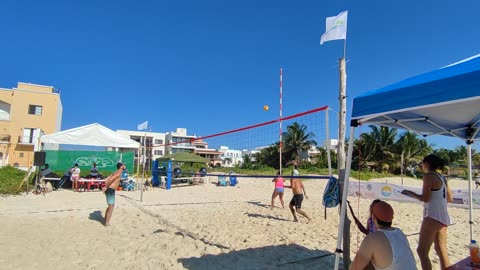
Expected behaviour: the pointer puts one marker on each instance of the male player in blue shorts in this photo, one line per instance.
(111, 184)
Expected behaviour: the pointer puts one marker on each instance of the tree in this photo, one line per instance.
(411, 147)
(297, 140)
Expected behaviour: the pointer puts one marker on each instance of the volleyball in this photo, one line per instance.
(265, 108)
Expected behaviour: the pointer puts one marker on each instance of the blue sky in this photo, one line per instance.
(210, 66)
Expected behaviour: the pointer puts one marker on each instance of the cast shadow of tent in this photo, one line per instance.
(291, 256)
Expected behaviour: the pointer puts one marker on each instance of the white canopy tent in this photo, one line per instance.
(91, 135)
(445, 101)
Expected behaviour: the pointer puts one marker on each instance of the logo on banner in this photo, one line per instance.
(386, 191)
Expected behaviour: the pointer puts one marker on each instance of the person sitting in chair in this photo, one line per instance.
(46, 172)
(94, 172)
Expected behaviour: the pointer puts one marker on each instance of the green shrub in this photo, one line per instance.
(11, 180)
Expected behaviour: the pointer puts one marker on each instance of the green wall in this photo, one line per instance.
(106, 161)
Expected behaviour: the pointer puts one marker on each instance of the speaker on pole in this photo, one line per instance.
(39, 159)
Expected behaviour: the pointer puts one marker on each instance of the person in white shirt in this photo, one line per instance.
(387, 248)
(435, 195)
(75, 176)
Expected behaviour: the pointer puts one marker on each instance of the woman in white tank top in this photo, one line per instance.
(435, 195)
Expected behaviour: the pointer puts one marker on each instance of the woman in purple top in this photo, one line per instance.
(370, 225)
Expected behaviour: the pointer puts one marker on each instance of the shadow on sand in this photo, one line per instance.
(255, 215)
(270, 257)
(97, 216)
(257, 203)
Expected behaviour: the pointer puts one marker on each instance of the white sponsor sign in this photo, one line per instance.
(386, 191)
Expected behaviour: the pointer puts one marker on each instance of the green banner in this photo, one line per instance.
(106, 161)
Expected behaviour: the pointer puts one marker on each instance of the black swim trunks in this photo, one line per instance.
(297, 200)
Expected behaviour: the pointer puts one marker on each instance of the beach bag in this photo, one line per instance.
(331, 195)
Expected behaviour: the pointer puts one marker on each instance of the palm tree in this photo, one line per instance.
(411, 147)
(228, 160)
(298, 139)
(377, 146)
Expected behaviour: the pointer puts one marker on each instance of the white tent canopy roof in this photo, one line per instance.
(92, 135)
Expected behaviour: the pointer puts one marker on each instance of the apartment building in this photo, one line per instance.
(26, 112)
(230, 157)
(179, 141)
(201, 149)
(154, 142)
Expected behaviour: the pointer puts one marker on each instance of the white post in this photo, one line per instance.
(343, 207)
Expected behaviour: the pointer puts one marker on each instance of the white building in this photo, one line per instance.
(230, 157)
(153, 141)
(179, 141)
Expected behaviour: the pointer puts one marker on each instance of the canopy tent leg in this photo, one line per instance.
(343, 207)
(470, 201)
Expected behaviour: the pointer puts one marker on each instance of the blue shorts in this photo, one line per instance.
(279, 190)
(110, 194)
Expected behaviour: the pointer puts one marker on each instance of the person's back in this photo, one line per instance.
(392, 250)
(387, 248)
(279, 182)
(76, 172)
(436, 207)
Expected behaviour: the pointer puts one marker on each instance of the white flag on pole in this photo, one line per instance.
(143, 126)
(336, 28)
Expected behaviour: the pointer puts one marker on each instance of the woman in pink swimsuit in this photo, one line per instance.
(279, 189)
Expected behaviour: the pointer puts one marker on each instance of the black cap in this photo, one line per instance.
(119, 164)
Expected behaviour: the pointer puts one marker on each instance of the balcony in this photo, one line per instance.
(5, 138)
(26, 140)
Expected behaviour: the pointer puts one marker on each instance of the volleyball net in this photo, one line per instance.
(302, 137)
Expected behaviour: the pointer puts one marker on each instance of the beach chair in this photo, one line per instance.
(222, 181)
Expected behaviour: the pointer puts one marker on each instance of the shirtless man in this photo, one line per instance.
(298, 190)
(111, 184)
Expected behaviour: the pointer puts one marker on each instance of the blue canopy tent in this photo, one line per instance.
(445, 101)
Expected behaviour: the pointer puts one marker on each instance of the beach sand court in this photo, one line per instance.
(193, 227)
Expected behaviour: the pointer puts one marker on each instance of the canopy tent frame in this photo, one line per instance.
(443, 102)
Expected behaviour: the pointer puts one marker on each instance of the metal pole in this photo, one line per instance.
(470, 201)
(280, 120)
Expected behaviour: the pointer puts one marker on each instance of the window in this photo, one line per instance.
(158, 141)
(35, 109)
(20, 155)
(158, 152)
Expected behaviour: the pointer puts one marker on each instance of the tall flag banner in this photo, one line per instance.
(143, 125)
(336, 28)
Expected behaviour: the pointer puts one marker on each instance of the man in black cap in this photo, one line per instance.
(111, 184)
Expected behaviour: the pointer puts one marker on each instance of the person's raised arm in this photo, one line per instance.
(357, 222)
(108, 181)
(426, 189)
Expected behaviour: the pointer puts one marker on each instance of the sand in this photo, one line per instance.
(193, 227)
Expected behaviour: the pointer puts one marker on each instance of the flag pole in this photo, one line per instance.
(143, 166)
(341, 166)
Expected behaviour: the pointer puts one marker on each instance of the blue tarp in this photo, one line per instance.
(445, 101)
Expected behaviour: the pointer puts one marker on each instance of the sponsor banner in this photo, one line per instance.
(386, 191)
